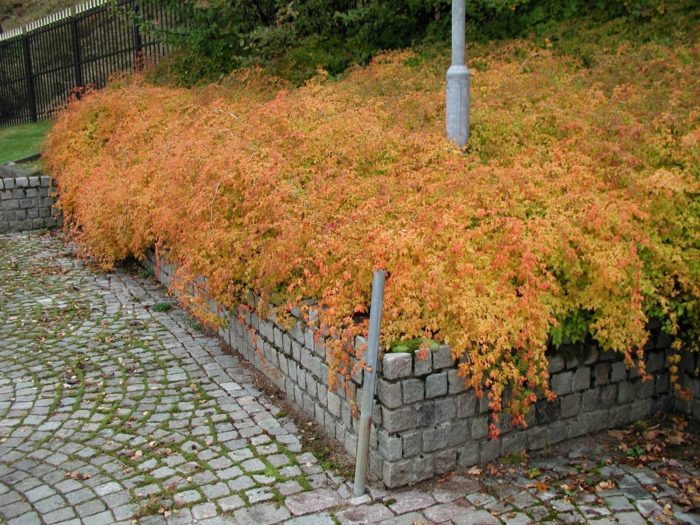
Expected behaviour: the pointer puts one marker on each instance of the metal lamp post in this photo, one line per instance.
(457, 121)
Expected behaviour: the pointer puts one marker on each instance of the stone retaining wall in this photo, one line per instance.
(26, 200)
(425, 422)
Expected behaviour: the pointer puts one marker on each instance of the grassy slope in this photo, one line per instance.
(14, 13)
(21, 141)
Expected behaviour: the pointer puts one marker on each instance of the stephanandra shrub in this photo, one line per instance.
(573, 211)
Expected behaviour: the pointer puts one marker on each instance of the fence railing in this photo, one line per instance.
(43, 62)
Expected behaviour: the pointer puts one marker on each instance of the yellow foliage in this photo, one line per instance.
(578, 192)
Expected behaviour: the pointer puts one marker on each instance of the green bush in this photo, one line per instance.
(296, 39)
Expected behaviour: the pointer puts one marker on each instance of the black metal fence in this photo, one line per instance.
(44, 62)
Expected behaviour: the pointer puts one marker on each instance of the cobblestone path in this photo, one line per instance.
(115, 408)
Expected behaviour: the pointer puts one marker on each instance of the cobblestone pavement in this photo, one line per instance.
(115, 408)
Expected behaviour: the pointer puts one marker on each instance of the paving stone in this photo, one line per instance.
(253, 465)
(230, 503)
(288, 488)
(412, 518)
(262, 514)
(313, 501)
(630, 518)
(205, 510)
(476, 517)
(409, 501)
(259, 494)
(515, 518)
(317, 519)
(364, 514)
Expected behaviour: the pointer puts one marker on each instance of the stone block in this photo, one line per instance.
(424, 413)
(389, 393)
(423, 467)
(602, 373)
(412, 442)
(459, 432)
(537, 438)
(457, 383)
(436, 438)
(334, 404)
(8, 183)
(445, 409)
(396, 366)
(436, 385)
(556, 364)
(563, 383)
(390, 448)
(397, 473)
(445, 461)
(590, 400)
(626, 393)
(618, 372)
(413, 390)
(21, 182)
(645, 389)
(579, 426)
(468, 455)
(489, 450)
(513, 443)
(466, 404)
(442, 358)
(608, 396)
(582, 378)
(592, 355)
(423, 366)
(558, 430)
(599, 420)
(570, 405)
(548, 411)
(480, 427)
(399, 419)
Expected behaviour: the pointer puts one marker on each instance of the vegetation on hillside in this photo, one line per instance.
(573, 213)
(294, 39)
(15, 13)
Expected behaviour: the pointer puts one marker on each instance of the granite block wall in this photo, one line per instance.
(26, 201)
(425, 422)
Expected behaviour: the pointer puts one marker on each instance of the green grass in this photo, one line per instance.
(21, 141)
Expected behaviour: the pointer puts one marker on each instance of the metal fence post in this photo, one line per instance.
(77, 62)
(138, 40)
(29, 77)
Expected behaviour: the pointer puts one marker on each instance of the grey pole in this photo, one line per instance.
(457, 121)
(370, 381)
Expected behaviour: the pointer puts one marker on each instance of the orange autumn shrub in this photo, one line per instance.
(574, 208)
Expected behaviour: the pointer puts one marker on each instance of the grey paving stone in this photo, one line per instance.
(364, 514)
(313, 501)
(322, 518)
(262, 514)
(205, 510)
(231, 503)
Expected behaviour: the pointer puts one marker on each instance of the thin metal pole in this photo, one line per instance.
(457, 121)
(29, 76)
(138, 40)
(370, 381)
(75, 41)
